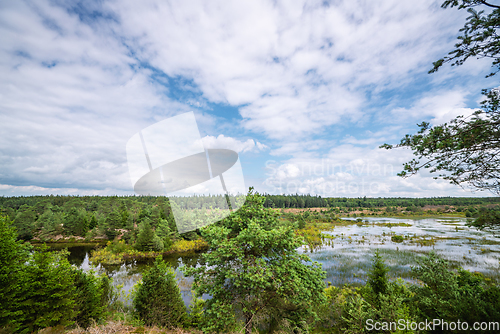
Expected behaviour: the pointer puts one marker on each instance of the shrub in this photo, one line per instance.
(452, 296)
(397, 238)
(377, 277)
(146, 236)
(50, 295)
(90, 299)
(158, 299)
(42, 289)
(196, 311)
(13, 281)
(117, 246)
(301, 223)
(486, 218)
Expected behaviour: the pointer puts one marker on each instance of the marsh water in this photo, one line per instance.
(346, 252)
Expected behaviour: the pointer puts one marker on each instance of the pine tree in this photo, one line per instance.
(145, 238)
(51, 293)
(111, 223)
(25, 222)
(377, 277)
(13, 281)
(158, 300)
(75, 222)
(90, 301)
(92, 223)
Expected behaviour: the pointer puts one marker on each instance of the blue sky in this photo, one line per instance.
(304, 91)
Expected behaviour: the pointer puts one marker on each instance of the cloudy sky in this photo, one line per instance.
(304, 91)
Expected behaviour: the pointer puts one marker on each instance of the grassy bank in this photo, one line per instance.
(118, 251)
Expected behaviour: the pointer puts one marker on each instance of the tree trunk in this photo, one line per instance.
(248, 324)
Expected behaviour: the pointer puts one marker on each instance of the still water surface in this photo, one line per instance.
(347, 251)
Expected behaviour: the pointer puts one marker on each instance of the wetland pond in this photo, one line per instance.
(347, 251)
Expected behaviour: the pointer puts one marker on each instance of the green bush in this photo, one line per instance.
(90, 299)
(13, 280)
(452, 296)
(377, 277)
(486, 218)
(195, 315)
(117, 246)
(158, 300)
(147, 239)
(397, 238)
(50, 293)
(41, 289)
(301, 222)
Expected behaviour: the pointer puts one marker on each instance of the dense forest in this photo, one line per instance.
(40, 289)
(150, 219)
(309, 201)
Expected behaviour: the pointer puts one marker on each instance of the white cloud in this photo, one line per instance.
(354, 172)
(10, 190)
(69, 104)
(297, 67)
(440, 107)
(234, 144)
(75, 87)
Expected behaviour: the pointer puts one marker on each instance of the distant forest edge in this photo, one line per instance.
(147, 222)
(272, 201)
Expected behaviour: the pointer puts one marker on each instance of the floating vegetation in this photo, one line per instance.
(424, 242)
(113, 255)
(454, 242)
(485, 241)
(397, 238)
(399, 224)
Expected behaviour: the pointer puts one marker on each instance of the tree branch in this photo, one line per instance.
(488, 4)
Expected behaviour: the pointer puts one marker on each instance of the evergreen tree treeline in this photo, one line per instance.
(40, 289)
(46, 217)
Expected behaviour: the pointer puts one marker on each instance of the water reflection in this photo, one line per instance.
(347, 251)
(347, 256)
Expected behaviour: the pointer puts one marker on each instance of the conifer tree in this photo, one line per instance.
(111, 223)
(25, 222)
(51, 291)
(13, 281)
(158, 300)
(377, 277)
(145, 238)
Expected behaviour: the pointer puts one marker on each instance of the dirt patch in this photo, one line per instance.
(118, 327)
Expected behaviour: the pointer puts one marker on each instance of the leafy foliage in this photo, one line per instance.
(25, 222)
(253, 269)
(486, 218)
(91, 299)
(465, 150)
(76, 222)
(50, 292)
(451, 296)
(145, 240)
(350, 309)
(479, 37)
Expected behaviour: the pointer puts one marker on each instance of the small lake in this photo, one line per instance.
(347, 257)
(347, 251)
